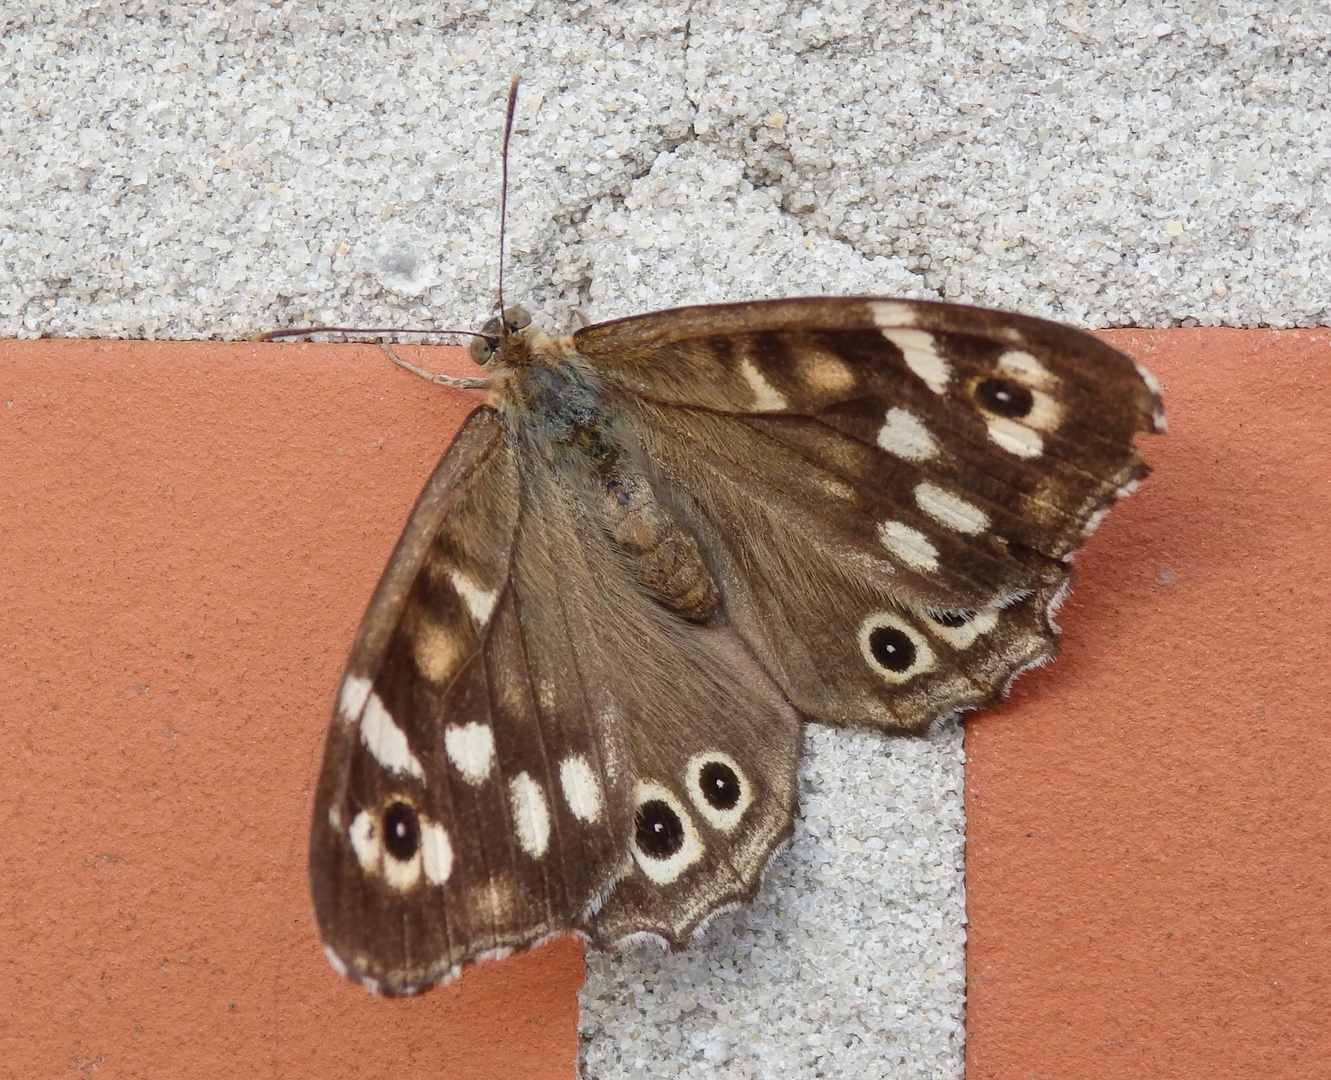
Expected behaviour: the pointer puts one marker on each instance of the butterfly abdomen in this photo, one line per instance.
(556, 407)
(662, 557)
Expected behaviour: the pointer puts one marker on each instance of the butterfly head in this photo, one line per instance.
(496, 333)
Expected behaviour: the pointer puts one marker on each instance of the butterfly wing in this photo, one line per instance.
(444, 830)
(709, 742)
(887, 491)
(519, 728)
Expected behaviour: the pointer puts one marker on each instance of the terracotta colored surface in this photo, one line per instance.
(1149, 820)
(189, 534)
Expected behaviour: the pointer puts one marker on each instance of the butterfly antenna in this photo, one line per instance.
(365, 331)
(503, 190)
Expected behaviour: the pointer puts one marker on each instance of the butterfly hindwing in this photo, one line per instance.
(823, 612)
(690, 706)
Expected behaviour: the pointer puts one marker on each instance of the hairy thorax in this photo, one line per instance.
(542, 388)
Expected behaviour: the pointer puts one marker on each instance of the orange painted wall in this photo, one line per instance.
(1148, 864)
(189, 532)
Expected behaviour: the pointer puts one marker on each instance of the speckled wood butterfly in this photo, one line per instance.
(662, 543)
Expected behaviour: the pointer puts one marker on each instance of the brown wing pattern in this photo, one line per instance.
(471, 800)
(888, 490)
(549, 723)
(689, 704)
(512, 708)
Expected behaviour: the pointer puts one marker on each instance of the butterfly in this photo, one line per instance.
(661, 545)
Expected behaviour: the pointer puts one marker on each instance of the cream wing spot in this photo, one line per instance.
(471, 749)
(1046, 413)
(582, 791)
(613, 761)
(892, 313)
(385, 741)
(545, 694)
(835, 488)
(950, 510)
(665, 840)
(909, 545)
(1152, 383)
(335, 961)
(766, 397)
(903, 435)
(1015, 438)
(824, 373)
(893, 648)
(494, 899)
(961, 632)
(436, 853)
(401, 874)
(1025, 367)
(436, 650)
(531, 816)
(364, 837)
(1092, 523)
(920, 352)
(480, 602)
(350, 702)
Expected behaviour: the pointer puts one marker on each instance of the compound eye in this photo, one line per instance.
(481, 349)
(517, 318)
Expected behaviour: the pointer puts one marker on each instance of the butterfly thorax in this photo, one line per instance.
(551, 402)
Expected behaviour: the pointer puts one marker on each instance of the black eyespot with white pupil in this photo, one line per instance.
(402, 831)
(1003, 397)
(719, 785)
(659, 832)
(891, 648)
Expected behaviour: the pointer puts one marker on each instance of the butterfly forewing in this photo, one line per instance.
(548, 727)
(465, 806)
